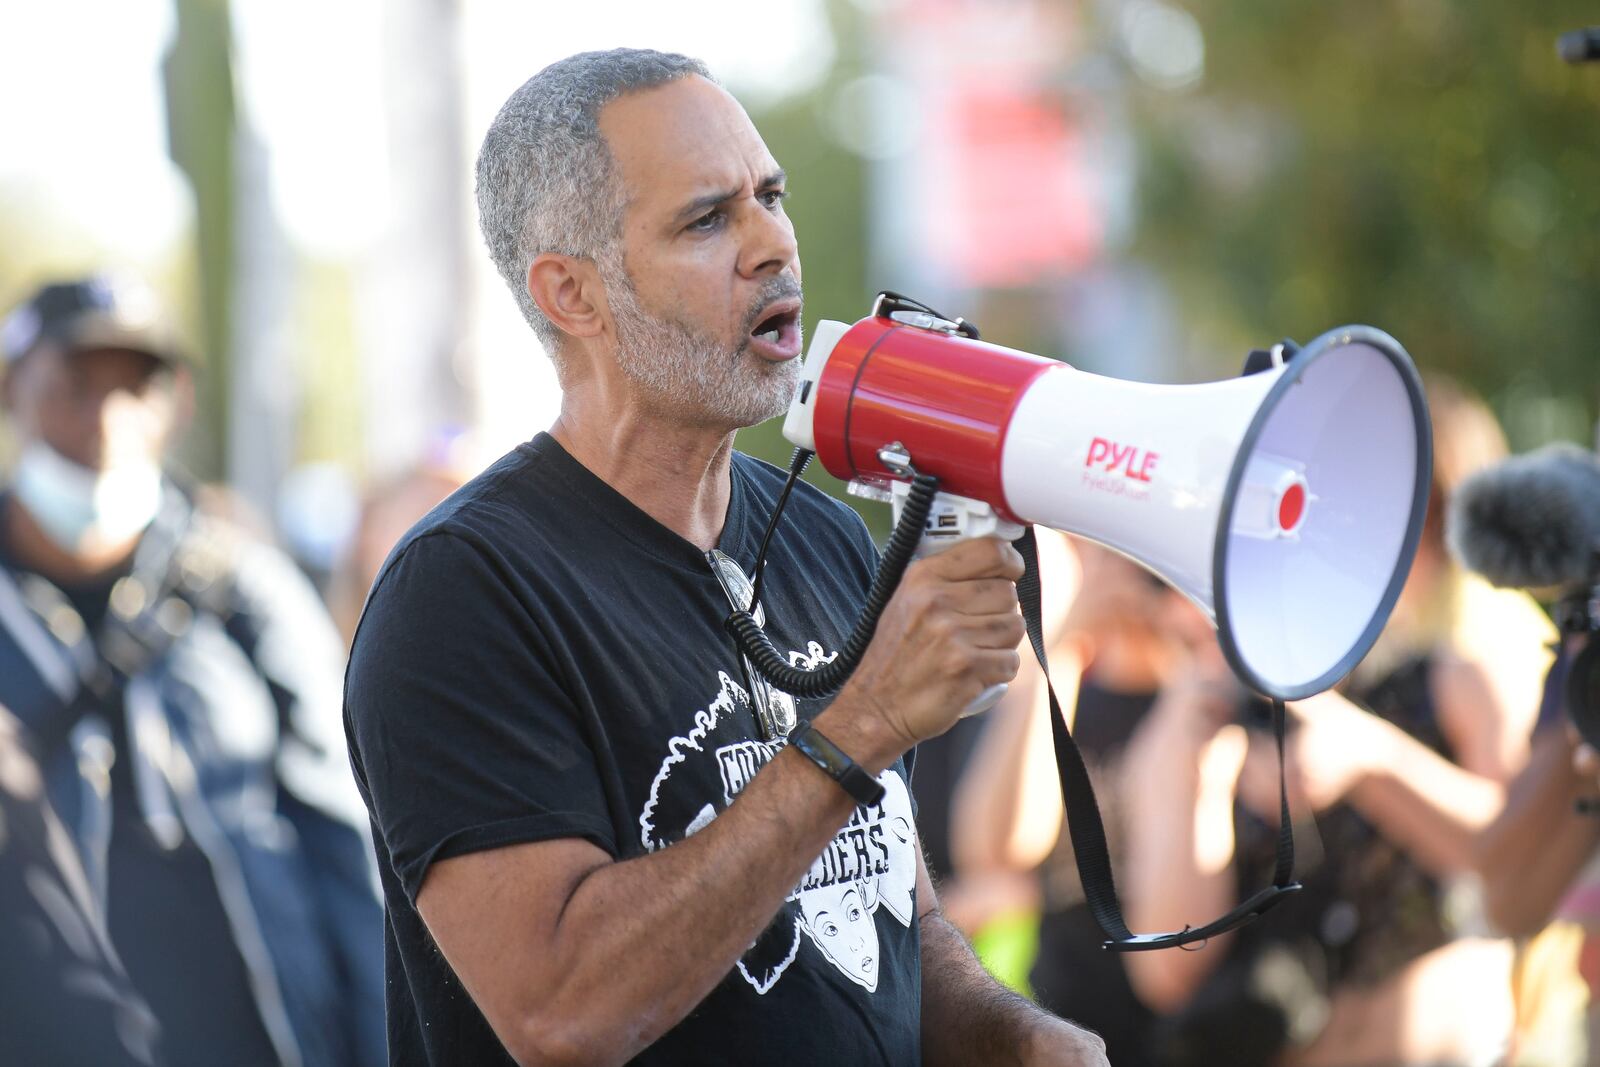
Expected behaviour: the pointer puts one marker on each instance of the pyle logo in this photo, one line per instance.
(1128, 459)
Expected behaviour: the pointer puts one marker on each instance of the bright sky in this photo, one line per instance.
(83, 145)
(83, 131)
(89, 141)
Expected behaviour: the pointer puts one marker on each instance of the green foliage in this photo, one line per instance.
(198, 76)
(1427, 167)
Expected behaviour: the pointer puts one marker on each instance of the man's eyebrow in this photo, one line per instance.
(701, 203)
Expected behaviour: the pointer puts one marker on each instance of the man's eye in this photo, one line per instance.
(774, 198)
(707, 222)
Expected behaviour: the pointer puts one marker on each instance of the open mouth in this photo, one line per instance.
(775, 326)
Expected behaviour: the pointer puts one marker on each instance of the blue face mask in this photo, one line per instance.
(74, 505)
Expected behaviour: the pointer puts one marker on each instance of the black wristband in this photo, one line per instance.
(838, 766)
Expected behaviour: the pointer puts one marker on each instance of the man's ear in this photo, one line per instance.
(568, 290)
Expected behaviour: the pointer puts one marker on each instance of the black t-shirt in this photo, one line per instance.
(540, 659)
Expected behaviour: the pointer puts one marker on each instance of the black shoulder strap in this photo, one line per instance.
(1083, 813)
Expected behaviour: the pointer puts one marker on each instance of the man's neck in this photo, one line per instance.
(677, 475)
(33, 549)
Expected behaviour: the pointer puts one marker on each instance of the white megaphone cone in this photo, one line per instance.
(1287, 503)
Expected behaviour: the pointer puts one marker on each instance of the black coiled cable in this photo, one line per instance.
(826, 680)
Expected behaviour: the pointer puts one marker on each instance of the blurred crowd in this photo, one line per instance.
(185, 874)
(1427, 792)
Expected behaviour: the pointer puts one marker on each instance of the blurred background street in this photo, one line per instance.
(1142, 188)
(1146, 189)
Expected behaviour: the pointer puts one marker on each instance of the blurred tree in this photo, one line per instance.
(198, 76)
(1427, 167)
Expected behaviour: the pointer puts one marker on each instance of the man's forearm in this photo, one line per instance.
(968, 1017)
(641, 942)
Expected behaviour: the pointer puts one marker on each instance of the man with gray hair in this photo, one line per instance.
(597, 844)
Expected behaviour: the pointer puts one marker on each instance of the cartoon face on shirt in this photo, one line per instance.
(871, 863)
(897, 889)
(840, 924)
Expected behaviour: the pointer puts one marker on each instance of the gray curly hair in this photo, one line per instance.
(545, 177)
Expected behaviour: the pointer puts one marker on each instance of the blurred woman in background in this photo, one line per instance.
(1109, 659)
(1402, 772)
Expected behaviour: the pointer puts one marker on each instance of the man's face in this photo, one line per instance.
(706, 299)
(99, 408)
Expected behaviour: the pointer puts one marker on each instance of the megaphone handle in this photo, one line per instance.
(951, 520)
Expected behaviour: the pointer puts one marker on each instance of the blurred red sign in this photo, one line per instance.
(1006, 190)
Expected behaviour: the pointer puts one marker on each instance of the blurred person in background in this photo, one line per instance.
(1542, 840)
(1540, 866)
(1402, 770)
(1112, 655)
(1403, 774)
(64, 997)
(178, 684)
(388, 510)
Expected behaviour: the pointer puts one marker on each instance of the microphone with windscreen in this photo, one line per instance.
(1580, 46)
(1532, 521)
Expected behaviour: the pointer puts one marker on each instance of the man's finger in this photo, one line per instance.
(979, 557)
(1003, 629)
(993, 666)
(985, 596)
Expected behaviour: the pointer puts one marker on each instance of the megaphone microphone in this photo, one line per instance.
(1287, 504)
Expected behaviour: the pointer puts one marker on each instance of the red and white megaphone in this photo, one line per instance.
(1286, 503)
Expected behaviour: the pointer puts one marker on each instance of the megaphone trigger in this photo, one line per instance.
(950, 520)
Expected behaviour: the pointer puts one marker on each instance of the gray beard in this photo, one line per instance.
(685, 373)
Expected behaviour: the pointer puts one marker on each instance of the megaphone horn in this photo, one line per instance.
(1286, 503)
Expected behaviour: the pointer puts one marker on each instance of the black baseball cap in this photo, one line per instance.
(94, 312)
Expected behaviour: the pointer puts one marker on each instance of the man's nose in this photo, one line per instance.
(769, 245)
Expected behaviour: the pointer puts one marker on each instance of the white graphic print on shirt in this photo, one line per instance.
(871, 862)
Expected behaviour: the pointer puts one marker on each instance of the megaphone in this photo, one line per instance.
(1286, 503)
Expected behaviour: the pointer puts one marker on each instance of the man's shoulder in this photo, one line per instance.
(501, 492)
(506, 504)
(498, 531)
